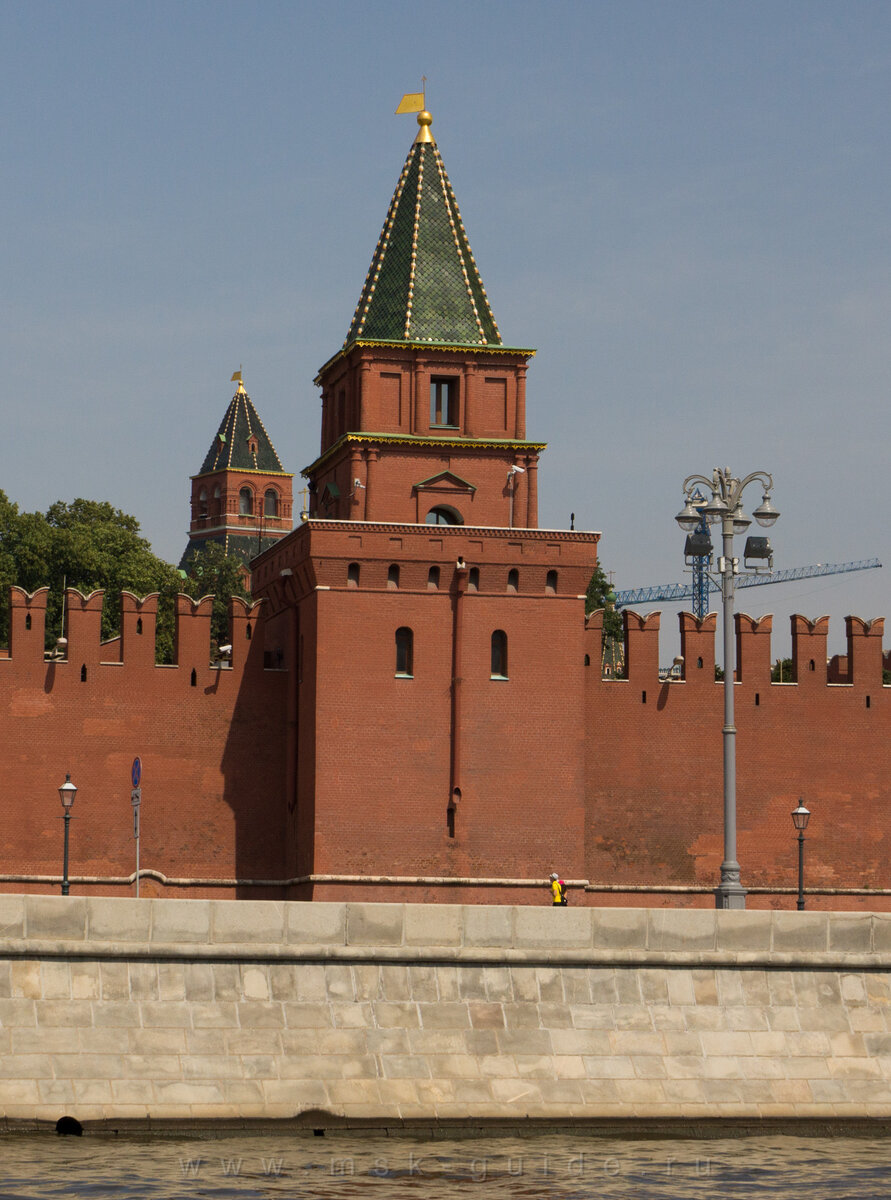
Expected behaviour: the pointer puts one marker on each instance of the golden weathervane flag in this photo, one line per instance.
(411, 102)
(236, 377)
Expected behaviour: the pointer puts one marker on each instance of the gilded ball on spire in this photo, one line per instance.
(425, 120)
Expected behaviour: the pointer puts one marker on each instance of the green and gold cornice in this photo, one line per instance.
(424, 443)
(423, 347)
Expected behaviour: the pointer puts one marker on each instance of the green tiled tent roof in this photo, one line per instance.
(423, 284)
(231, 448)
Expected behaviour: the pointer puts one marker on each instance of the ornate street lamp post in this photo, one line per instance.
(800, 818)
(725, 509)
(67, 792)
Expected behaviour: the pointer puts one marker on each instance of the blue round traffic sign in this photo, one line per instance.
(136, 772)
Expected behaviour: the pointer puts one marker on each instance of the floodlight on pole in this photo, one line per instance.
(725, 508)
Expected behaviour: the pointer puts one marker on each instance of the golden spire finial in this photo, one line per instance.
(237, 376)
(416, 102)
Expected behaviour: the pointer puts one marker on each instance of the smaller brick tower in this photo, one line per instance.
(242, 496)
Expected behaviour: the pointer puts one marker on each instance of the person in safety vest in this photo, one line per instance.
(558, 890)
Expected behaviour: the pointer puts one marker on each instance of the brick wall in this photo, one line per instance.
(332, 779)
(210, 738)
(654, 792)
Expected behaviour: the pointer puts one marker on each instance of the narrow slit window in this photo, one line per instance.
(451, 810)
(393, 577)
(513, 580)
(404, 652)
(473, 579)
(433, 579)
(353, 575)
(551, 583)
(499, 654)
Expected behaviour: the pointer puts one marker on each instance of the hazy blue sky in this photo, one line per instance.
(684, 206)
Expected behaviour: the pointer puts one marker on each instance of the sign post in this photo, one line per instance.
(135, 800)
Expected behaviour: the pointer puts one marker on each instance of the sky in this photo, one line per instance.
(683, 206)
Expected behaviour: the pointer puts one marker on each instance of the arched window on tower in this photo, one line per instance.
(443, 514)
(393, 576)
(551, 583)
(405, 645)
(513, 580)
(217, 506)
(353, 575)
(499, 654)
(245, 502)
(270, 503)
(202, 504)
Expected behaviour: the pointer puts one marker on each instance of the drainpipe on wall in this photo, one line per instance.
(461, 572)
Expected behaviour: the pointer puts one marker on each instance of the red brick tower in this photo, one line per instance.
(435, 633)
(242, 496)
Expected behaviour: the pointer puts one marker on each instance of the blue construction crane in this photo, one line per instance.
(699, 589)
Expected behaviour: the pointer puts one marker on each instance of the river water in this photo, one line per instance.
(541, 1167)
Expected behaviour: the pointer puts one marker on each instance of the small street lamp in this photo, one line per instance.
(725, 509)
(800, 818)
(67, 792)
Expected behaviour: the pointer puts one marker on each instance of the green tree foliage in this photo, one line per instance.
(211, 572)
(600, 594)
(88, 545)
(781, 671)
(599, 591)
(91, 546)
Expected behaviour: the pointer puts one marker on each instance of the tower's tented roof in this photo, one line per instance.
(423, 284)
(241, 442)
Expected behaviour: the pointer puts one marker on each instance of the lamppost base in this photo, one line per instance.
(730, 895)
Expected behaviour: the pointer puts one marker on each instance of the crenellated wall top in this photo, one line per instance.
(82, 644)
(862, 666)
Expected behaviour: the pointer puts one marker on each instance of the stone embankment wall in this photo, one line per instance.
(168, 1009)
